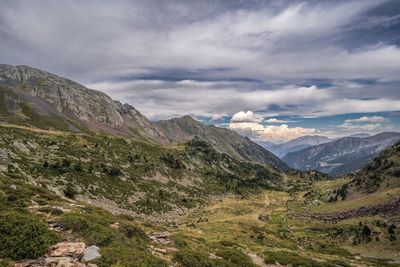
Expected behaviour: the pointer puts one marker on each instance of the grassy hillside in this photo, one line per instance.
(128, 175)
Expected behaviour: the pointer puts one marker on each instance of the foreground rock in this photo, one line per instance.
(65, 249)
(91, 253)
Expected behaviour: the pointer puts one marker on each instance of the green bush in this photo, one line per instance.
(130, 230)
(93, 228)
(122, 256)
(295, 260)
(70, 191)
(237, 258)
(192, 258)
(23, 236)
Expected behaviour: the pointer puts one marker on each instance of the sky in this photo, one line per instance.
(271, 70)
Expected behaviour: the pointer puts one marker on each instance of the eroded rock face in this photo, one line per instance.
(63, 94)
(91, 108)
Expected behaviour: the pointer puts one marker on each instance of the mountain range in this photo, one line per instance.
(296, 144)
(343, 155)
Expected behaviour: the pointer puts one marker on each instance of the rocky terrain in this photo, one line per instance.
(341, 156)
(29, 94)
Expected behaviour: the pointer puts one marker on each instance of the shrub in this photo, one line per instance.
(93, 228)
(23, 236)
(191, 258)
(235, 257)
(122, 256)
(295, 260)
(70, 191)
(130, 230)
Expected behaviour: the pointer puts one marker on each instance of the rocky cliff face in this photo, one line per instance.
(341, 156)
(90, 108)
(223, 140)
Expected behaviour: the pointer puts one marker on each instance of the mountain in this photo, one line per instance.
(223, 140)
(297, 144)
(341, 156)
(36, 98)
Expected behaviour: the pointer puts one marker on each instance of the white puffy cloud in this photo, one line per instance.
(272, 133)
(360, 127)
(368, 119)
(242, 116)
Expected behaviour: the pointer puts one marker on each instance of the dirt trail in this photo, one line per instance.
(35, 129)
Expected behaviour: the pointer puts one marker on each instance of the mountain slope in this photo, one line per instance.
(343, 155)
(127, 175)
(298, 144)
(223, 140)
(33, 97)
(380, 174)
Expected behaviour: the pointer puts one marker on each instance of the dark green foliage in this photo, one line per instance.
(115, 171)
(93, 227)
(70, 191)
(192, 258)
(122, 256)
(23, 236)
(366, 233)
(295, 260)
(130, 230)
(235, 257)
(173, 162)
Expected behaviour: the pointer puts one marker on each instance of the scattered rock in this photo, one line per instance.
(114, 225)
(161, 237)
(67, 249)
(13, 186)
(213, 256)
(91, 253)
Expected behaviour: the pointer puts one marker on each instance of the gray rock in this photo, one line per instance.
(13, 187)
(91, 253)
(4, 160)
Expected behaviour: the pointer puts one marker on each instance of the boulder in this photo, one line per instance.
(91, 253)
(65, 249)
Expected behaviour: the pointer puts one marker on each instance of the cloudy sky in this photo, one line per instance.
(272, 70)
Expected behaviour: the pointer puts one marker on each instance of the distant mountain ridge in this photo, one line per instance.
(223, 140)
(341, 156)
(36, 98)
(296, 144)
